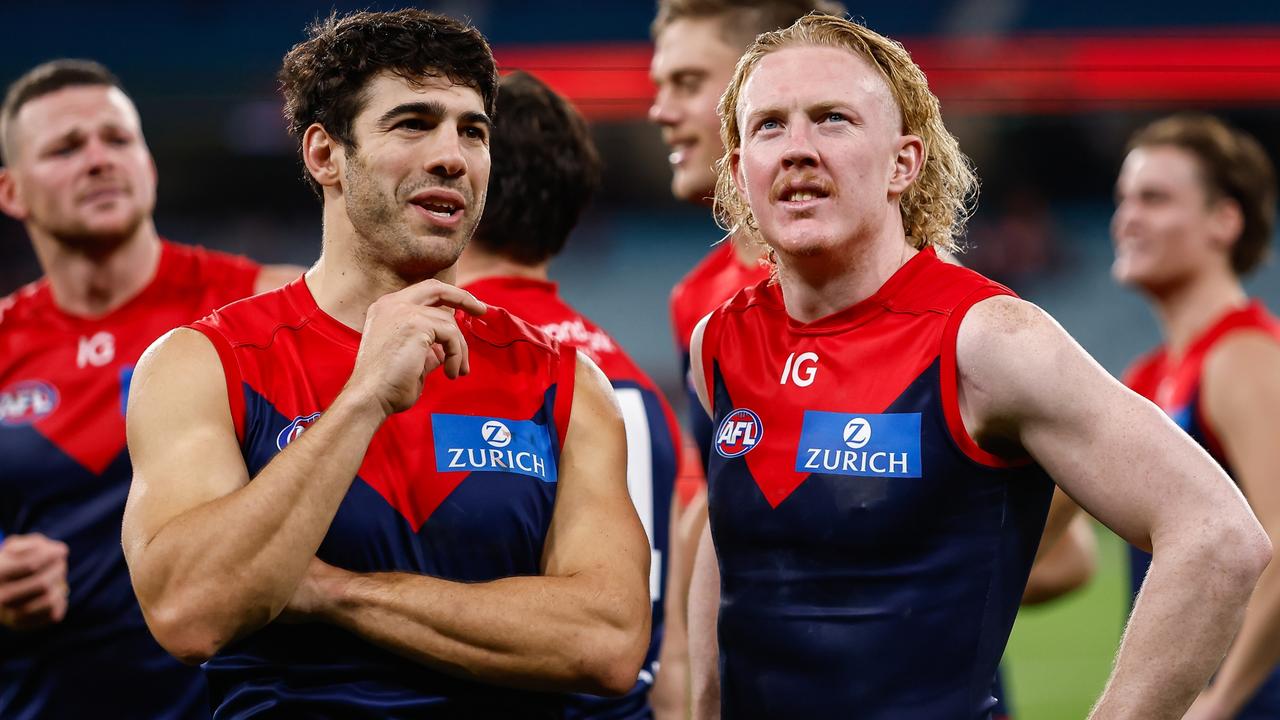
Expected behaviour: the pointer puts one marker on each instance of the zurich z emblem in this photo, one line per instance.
(739, 432)
(295, 428)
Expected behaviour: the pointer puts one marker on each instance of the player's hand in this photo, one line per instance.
(33, 581)
(320, 587)
(407, 334)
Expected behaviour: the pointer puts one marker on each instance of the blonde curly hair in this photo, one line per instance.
(936, 206)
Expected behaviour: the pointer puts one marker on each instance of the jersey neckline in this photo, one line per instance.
(861, 311)
(299, 294)
(164, 264)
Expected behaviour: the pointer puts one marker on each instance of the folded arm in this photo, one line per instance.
(582, 625)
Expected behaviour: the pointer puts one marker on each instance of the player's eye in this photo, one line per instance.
(412, 124)
(476, 132)
(833, 117)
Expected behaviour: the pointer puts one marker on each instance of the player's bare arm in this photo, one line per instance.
(704, 585)
(201, 586)
(669, 696)
(1065, 560)
(1241, 394)
(1024, 384)
(582, 625)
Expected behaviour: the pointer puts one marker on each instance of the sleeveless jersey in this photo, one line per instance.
(872, 556)
(1174, 385)
(718, 277)
(652, 449)
(63, 384)
(461, 486)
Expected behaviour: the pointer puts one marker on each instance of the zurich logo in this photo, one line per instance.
(739, 432)
(295, 428)
(23, 403)
(496, 434)
(857, 433)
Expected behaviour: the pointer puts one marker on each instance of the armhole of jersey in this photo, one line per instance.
(230, 371)
(949, 380)
(567, 373)
(706, 356)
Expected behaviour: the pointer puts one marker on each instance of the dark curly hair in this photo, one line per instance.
(324, 78)
(545, 171)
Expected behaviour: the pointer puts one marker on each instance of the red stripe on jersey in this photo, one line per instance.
(950, 380)
(564, 391)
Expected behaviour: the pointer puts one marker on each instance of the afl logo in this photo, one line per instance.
(25, 402)
(496, 434)
(739, 432)
(857, 433)
(295, 428)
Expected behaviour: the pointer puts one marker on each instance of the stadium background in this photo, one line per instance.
(1042, 96)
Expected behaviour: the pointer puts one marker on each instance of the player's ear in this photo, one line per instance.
(907, 163)
(735, 172)
(10, 202)
(1227, 222)
(323, 155)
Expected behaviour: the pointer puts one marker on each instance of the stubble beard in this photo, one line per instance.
(386, 243)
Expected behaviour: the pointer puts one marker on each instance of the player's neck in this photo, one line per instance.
(344, 288)
(747, 251)
(817, 286)
(89, 282)
(1189, 308)
(477, 264)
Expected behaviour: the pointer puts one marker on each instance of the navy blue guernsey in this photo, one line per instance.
(461, 486)
(872, 556)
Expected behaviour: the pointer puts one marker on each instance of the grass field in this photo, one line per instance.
(1060, 654)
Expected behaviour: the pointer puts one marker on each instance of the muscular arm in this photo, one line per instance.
(1241, 396)
(1024, 383)
(670, 695)
(213, 556)
(582, 625)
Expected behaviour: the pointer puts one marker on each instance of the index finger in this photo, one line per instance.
(436, 293)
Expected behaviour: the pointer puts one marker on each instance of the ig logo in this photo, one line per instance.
(857, 433)
(496, 434)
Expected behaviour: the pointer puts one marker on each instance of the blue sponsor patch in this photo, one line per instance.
(885, 445)
(469, 443)
(1184, 417)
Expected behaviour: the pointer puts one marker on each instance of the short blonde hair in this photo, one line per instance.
(936, 206)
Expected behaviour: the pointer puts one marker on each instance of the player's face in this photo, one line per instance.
(81, 169)
(1164, 225)
(414, 187)
(691, 67)
(820, 133)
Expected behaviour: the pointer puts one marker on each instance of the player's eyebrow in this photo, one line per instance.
(431, 109)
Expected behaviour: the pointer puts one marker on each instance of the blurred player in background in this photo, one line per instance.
(78, 175)
(875, 511)
(1195, 209)
(440, 496)
(545, 170)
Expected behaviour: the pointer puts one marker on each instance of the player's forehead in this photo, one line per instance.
(803, 76)
(385, 92)
(694, 44)
(1165, 167)
(77, 108)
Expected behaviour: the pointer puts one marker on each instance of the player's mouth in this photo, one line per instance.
(444, 208)
(100, 195)
(681, 150)
(802, 194)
